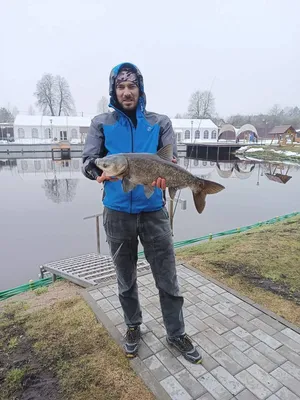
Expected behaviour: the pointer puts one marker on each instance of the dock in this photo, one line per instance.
(220, 151)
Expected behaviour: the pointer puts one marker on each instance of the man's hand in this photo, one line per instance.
(161, 182)
(104, 177)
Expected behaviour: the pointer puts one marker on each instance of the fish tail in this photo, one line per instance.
(201, 190)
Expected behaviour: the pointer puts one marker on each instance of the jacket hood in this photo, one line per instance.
(112, 84)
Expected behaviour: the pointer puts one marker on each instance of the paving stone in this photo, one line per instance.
(187, 303)
(208, 362)
(115, 317)
(274, 356)
(263, 377)
(224, 321)
(208, 291)
(190, 384)
(196, 370)
(192, 289)
(153, 288)
(182, 274)
(217, 339)
(252, 384)
(272, 322)
(218, 391)
(152, 341)
(189, 272)
(185, 312)
(189, 328)
(236, 341)
(122, 328)
(191, 297)
(216, 288)
(287, 341)
(232, 298)
(225, 310)
(243, 313)
(114, 301)
(158, 330)
(223, 300)
(289, 354)
(199, 325)
(144, 280)
(174, 389)
(156, 367)
(144, 351)
(267, 339)
(144, 329)
(263, 326)
(206, 308)
(260, 359)
(252, 310)
(145, 292)
(105, 305)
(242, 323)
(207, 299)
(291, 334)
(172, 349)
(96, 294)
(246, 395)
(143, 300)
(227, 380)
(238, 356)
(214, 324)
(155, 301)
(205, 343)
(287, 380)
(227, 362)
(286, 394)
(146, 316)
(201, 279)
(292, 369)
(169, 361)
(206, 396)
(194, 282)
(273, 397)
(197, 312)
(152, 310)
(106, 291)
(246, 336)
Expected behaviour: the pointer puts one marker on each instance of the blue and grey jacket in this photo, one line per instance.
(114, 132)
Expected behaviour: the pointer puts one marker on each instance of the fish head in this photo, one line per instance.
(112, 165)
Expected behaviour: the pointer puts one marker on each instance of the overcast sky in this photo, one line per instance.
(247, 52)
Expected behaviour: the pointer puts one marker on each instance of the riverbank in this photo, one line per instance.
(272, 153)
(53, 348)
(262, 264)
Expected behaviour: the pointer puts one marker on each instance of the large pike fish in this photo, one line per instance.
(144, 168)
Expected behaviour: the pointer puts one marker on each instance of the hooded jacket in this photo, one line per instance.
(114, 132)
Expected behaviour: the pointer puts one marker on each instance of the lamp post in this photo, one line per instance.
(192, 122)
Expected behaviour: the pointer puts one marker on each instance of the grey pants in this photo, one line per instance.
(154, 231)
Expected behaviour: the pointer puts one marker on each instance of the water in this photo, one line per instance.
(43, 205)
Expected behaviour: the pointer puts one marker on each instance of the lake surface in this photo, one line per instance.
(44, 203)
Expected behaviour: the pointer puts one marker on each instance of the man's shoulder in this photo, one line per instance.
(108, 118)
(155, 118)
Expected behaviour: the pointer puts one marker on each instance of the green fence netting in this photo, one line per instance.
(47, 281)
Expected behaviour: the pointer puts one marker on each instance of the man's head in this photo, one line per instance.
(127, 89)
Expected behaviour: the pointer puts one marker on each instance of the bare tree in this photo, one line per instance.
(275, 110)
(60, 190)
(64, 97)
(31, 110)
(6, 115)
(102, 106)
(54, 95)
(202, 104)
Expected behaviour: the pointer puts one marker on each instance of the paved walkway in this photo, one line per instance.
(247, 353)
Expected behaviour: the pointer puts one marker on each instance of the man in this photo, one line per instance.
(129, 216)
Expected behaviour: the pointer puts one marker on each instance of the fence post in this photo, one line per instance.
(98, 234)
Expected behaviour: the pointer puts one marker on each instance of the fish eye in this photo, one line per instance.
(104, 165)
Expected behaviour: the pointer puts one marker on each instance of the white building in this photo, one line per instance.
(46, 129)
(195, 130)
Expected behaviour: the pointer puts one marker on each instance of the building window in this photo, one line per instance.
(178, 137)
(74, 133)
(212, 163)
(206, 134)
(37, 165)
(187, 134)
(204, 163)
(214, 135)
(48, 134)
(50, 164)
(24, 165)
(76, 165)
(21, 133)
(186, 162)
(63, 135)
(196, 163)
(197, 134)
(34, 133)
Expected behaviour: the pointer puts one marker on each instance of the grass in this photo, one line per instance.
(40, 290)
(269, 155)
(262, 264)
(69, 345)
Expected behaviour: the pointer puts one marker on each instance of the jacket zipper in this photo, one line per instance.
(132, 152)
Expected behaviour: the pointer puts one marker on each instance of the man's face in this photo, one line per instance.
(127, 95)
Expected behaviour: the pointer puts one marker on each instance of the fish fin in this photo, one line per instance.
(172, 192)
(211, 187)
(166, 152)
(128, 185)
(199, 200)
(148, 190)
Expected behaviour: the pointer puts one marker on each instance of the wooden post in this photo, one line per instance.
(98, 234)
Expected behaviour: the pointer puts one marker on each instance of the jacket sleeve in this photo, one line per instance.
(167, 135)
(94, 148)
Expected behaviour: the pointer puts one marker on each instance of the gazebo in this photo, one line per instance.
(246, 132)
(283, 134)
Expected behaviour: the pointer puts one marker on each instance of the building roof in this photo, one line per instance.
(186, 123)
(280, 129)
(44, 120)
